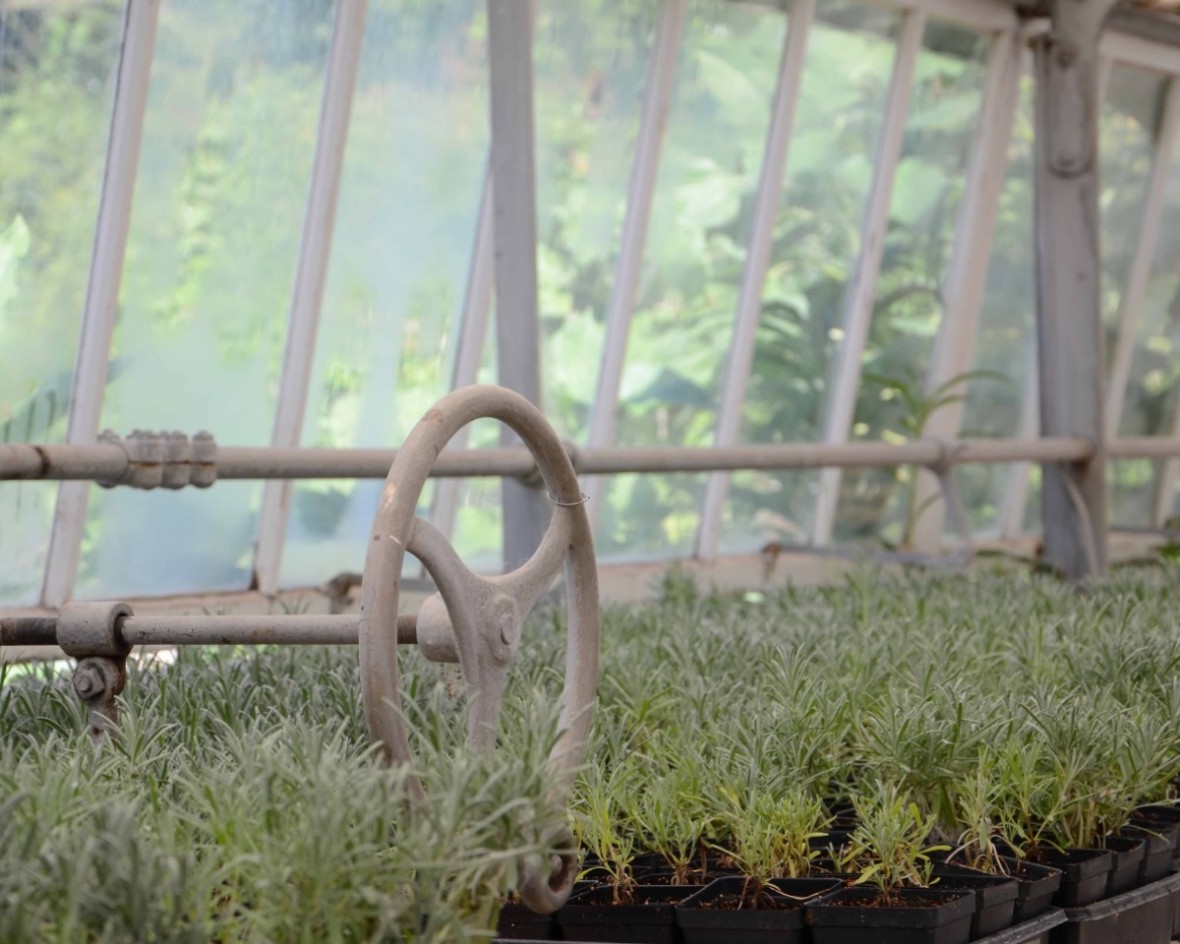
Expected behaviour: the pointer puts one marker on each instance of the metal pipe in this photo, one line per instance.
(1144, 447)
(28, 631)
(109, 463)
(168, 630)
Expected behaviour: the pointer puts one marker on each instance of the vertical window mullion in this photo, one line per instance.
(471, 334)
(657, 102)
(100, 309)
(858, 307)
(749, 305)
(1131, 310)
(307, 294)
(966, 275)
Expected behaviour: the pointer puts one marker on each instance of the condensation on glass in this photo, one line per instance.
(224, 168)
(409, 196)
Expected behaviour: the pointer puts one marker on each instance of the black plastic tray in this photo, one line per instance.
(1036, 931)
(1141, 916)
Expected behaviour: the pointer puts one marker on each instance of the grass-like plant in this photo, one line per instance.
(271, 820)
(673, 817)
(772, 836)
(242, 791)
(604, 828)
(890, 845)
(978, 824)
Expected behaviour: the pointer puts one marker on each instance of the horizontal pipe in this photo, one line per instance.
(295, 630)
(167, 630)
(1143, 447)
(109, 463)
(28, 631)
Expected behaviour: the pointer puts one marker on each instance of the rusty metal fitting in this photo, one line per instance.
(98, 681)
(163, 460)
(93, 629)
(145, 449)
(203, 472)
(177, 459)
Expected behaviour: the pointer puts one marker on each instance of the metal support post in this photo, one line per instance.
(1069, 327)
(514, 229)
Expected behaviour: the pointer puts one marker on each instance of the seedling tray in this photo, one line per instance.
(1141, 916)
(1039, 930)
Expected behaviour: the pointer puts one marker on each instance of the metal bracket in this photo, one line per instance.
(1071, 56)
(90, 632)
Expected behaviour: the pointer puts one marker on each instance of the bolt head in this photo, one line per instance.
(87, 681)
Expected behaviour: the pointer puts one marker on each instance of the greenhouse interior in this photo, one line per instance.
(672, 471)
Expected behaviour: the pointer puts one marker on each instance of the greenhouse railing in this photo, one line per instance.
(172, 460)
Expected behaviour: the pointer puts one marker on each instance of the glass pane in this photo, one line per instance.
(57, 77)
(816, 241)
(1004, 345)
(1150, 406)
(228, 141)
(417, 151)
(592, 61)
(1128, 129)
(877, 504)
(692, 267)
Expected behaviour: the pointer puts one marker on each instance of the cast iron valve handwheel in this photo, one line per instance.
(486, 614)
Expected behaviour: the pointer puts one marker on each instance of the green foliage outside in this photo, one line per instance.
(219, 203)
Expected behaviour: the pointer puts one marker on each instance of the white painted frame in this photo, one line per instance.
(858, 305)
(653, 121)
(471, 335)
(966, 275)
(749, 305)
(100, 310)
(311, 272)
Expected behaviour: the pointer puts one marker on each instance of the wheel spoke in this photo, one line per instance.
(530, 580)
